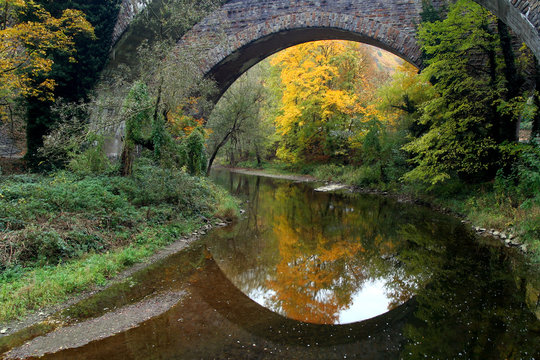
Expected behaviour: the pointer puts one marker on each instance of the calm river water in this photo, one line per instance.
(311, 275)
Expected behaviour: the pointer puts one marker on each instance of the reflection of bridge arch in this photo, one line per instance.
(220, 293)
(243, 32)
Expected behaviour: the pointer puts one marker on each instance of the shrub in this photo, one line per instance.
(92, 160)
(195, 152)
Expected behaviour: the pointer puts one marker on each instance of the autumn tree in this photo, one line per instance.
(74, 79)
(28, 34)
(325, 98)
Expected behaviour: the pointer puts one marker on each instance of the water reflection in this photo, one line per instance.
(459, 298)
(323, 258)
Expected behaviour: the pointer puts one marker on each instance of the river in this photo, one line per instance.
(305, 274)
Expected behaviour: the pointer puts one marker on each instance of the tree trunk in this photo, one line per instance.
(258, 155)
(535, 132)
(216, 150)
(126, 160)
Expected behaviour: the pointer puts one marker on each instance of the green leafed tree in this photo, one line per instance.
(465, 119)
(236, 119)
(138, 115)
(74, 79)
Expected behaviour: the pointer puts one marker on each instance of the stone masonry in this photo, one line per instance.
(243, 32)
(128, 10)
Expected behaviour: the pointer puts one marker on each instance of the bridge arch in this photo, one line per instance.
(242, 32)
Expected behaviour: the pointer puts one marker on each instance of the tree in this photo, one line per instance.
(196, 161)
(237, 116)
(25, 46)
(326, 99)
(138, 112)
(174, 78)
(465, 118)
(74, 79)
(169, 93)
(180, 94)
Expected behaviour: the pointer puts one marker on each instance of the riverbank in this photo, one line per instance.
(64, 234)
(488, 213)
(159, 301)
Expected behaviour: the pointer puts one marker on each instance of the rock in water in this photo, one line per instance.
(331, 187)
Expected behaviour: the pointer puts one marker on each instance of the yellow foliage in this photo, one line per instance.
(24, 48)
(326, 88)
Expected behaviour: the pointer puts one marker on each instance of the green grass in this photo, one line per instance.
(489, 208)
(63, 234)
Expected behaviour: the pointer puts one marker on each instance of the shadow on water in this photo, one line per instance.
(309, 255)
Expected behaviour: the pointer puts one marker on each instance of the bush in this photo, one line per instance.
(521, 181)
(329, 172)
(153, 186)
(195, 152)
(46, 220)
(92, 160)
(35, 245)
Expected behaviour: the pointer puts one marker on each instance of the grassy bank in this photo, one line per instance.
(61, 234)
(500, 205)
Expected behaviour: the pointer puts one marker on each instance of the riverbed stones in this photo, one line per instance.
(508, 239)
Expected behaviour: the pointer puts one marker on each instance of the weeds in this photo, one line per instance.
(66, 232)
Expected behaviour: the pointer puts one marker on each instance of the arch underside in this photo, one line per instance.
(244, 32)
(241, 60)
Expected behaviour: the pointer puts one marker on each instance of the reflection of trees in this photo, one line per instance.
(314, 251)
(473, 308)
(313, 285)
(244, 251)
(329, 246)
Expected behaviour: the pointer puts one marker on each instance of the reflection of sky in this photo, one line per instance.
(367, 302)
(259, 295)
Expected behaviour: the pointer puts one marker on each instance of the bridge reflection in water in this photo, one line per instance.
(469, 297)
(215, 320)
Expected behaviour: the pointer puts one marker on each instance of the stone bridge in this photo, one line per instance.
(243, 32)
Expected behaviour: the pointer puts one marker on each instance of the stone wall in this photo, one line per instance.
(8, 148)
(128, 10)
